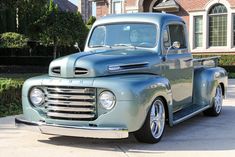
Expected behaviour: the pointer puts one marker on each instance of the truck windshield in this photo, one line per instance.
(130, 35)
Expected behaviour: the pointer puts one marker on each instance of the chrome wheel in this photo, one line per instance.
(157, 119)
(218, 99)
(216, 107)
(154, 124)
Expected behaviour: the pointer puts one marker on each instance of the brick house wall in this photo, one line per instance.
(189, 10)
(101, 9)
(85, 8)
(187, 6)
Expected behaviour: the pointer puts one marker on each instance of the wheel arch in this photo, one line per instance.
(165, 94)
(223, 88)
(166, 108)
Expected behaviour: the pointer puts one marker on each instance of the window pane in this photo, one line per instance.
(132, 34)
(117, 7)
(218, 25)
(177, 34)
(198, 31)
(218, 30)
(166, 39)
(198, 40)
(233, 29)
(217, 9)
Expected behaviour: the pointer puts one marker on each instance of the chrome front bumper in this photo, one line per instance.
(77, 131)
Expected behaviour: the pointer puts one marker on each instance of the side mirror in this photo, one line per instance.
(175, 45)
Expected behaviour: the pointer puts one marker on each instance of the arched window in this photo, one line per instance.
(218, 25)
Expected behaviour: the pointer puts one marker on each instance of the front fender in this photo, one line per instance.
(134, 96)
(142, 89)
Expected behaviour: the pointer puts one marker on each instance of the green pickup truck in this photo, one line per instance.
(136, 75)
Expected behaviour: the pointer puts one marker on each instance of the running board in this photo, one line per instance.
(187, 113)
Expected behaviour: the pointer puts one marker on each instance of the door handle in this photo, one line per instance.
(188, 60)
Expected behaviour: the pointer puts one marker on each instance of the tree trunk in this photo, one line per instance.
(55, 51)
(17, 19)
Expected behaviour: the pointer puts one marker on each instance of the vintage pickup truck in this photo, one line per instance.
(135, 75)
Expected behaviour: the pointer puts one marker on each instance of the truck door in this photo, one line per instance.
(177, 65)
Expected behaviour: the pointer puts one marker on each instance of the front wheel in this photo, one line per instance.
(154, 125)
(217, 103)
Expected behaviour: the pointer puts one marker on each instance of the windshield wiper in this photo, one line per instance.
(127, 45)
(96, 46)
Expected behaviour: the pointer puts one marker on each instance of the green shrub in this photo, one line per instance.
(91, 20)
(224, 59)
(231, 75)
(13, 40)
(10, 96)
(88, 27)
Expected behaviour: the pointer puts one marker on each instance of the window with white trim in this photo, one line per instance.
(198, 31)
(218, 25)
(233, 29)
(131, 11)
(117, 6)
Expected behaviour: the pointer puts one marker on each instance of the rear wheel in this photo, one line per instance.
(154, 125)
(217, 103)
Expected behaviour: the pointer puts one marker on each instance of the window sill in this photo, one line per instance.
(219, 49)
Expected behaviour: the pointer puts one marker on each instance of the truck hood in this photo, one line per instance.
(103, 63)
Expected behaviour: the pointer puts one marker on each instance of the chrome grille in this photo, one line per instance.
(80, 71)
(71, 103)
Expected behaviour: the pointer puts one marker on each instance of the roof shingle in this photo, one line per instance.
(65, 5)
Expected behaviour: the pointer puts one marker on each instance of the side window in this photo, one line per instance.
(177, 33)
(166, 38)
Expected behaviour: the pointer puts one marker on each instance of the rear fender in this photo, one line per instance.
(206, 79)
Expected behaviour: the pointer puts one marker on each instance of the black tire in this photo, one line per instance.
(215, 110)
(145, 133)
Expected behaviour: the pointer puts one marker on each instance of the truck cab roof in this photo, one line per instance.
(156, 18)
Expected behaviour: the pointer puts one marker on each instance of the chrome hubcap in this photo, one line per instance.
(218, 99)
(157, 118)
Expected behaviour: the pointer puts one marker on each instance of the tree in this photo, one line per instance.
(19, 15)
(91, 20)
(61, 28)
(27, 12)
(7, 16)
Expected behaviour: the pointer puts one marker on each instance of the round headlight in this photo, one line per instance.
(37, 96)
(107, 100)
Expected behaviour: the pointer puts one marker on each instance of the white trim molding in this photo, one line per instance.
(213, 2)
(151, 5)
(140, 5)
(111, 9)
(131, 9)
(205, 29)
(110, 6)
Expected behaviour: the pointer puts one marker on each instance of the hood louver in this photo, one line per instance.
(125, 67)
(56, 70)
(80, 71)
